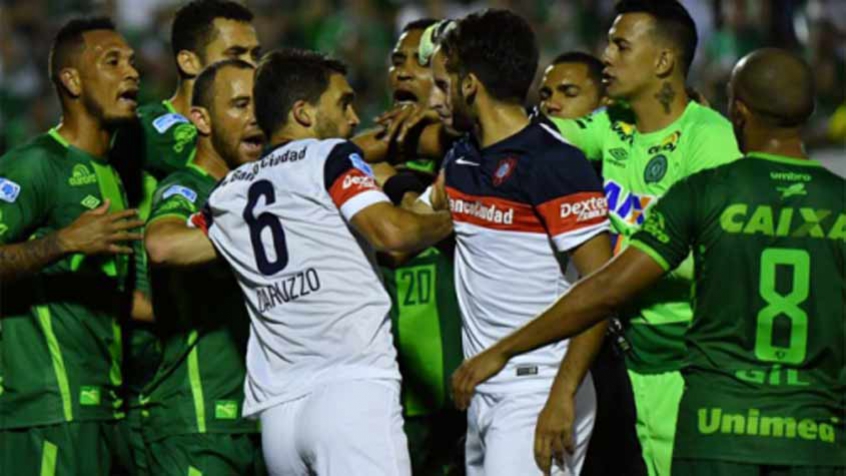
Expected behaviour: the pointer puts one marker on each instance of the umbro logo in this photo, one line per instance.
(81, 176)
(463, 161)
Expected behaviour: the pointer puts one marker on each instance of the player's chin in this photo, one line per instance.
(120, 117)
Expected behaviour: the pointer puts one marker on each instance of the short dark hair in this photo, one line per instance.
(204, 86)
(420, 24)
(286, 76)
(497, 46)
(672, 21)
(193, 25)
(594, 65)
(69, 42)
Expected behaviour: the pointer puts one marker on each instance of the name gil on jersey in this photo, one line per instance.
(490, 213)
(787, 221)
(287, 289)
(718, 420)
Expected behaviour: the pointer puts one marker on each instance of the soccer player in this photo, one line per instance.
(193, 404)
(321, 367)
(571, 88)
(163, 141)
(519, 195)
(659, 138)
(424, 311)
(765, 364)
(65, 232)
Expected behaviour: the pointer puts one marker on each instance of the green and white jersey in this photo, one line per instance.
(638, 169)
(203, 327)
(60, 343)
(426, 323)
(765, 371)
(169, 139)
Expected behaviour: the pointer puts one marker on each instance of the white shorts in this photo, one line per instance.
(501, 432)
(347, 428)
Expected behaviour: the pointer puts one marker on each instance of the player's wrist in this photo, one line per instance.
(64, 243)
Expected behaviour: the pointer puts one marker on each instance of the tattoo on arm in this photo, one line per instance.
(23, 259)
(665, 96)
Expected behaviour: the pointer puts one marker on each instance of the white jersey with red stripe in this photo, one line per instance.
(516, 205)
(318, 308)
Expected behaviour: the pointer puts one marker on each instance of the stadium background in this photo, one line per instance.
(362, 33)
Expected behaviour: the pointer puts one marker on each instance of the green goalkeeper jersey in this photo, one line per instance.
(765, 371)
(203, 326)
(60, 343)
(637, 169)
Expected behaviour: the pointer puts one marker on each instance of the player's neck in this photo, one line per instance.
(181, 99)
(208, 159)
(85, 132)
(498, 121)
(658, 108)
(782, 143)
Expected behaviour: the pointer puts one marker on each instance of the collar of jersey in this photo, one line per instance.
(784, 160)
(169, 106)
(54, 133)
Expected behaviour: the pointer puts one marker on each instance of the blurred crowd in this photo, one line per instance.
(362, 33)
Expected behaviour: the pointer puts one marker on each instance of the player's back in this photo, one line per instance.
(318, 308)
(766, 373)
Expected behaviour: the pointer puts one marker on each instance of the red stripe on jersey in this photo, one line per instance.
(349, 184)
(573, 212)
(198, 220)
(492, 212)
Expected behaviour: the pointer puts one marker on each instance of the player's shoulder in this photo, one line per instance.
(158, 119)
(705, 123)
(550, 150)
(36, 155)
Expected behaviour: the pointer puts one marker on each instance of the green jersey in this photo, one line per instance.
(60, 342)
(169, 139)
(765, 372)
(427, 329)
(637, 169)
(203, 327)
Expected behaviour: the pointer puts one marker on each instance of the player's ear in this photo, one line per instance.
(303, 113)
(71, 82)
(665, 62)
(469, 87)
(201, 119)
(189, 63)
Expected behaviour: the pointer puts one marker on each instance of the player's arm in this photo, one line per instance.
(171, 242)
(587, 133)
(389, 228)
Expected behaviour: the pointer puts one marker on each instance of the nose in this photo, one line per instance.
(550, 107)
(403, 74)
(353, 119)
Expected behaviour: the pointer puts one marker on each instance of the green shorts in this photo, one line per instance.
(208, 454)
(131, 427)
(436, 443)
(657, 398)
(89, 448)
(702, 467)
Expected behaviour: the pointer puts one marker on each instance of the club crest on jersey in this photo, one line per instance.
(655, 169)
(184, 192)
(163, 123)
(504, 169)
(360, 164)
(81, 176)
(9, 190)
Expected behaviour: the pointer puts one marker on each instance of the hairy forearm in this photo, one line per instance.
(580, 355)
(428, 230)
(172, 243)
(20, 260)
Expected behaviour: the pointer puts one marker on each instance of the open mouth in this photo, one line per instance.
(129, 96)
(253, 143)
(607, 77)
(404, 96)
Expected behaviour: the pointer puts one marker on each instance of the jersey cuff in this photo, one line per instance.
(652, 254)
(178, 216)
(362, 201)
(567, 241)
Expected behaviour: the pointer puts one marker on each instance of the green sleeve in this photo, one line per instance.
(175, 199)
(711, 146)
(668, 232)
(587, 133)
(142, 282)
(25, 195)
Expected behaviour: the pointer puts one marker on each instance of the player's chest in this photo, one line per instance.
(83, 185)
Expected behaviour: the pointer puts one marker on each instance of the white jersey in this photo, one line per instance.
(515, 205)
(318, 308)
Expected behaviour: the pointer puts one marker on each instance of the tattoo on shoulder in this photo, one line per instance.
(665, 96)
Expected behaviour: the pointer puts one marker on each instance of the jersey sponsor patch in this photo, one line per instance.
(575, 211)
(81, 176)
(163, 123)
(184, 192)
(9, 190)
(360, 164)
(492, 212)
(350, 184)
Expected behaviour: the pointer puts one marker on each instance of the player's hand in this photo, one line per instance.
(473, 372)
(439, 198)
(554, 432)
(100, 232)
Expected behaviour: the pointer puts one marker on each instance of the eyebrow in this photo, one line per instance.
(240, 98)
(237, 49)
